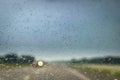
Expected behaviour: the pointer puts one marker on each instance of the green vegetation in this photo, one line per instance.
(98, 60)
(12, 60)
(108, 70)
(12, 66)
(108, 66)
(117, 74)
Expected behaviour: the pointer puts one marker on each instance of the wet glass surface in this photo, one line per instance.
(60, 40)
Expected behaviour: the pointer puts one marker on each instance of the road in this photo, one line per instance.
(49, 72)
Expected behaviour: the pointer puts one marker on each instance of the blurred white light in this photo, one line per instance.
(40, 63)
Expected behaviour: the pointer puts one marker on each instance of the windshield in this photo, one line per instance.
(59, 40)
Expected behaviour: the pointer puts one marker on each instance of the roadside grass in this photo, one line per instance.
(109, 70)
(12, 66)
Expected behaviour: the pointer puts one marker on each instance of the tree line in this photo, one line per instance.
(14, 58)
(98, 60)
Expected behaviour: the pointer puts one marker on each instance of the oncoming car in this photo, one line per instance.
(38, 64)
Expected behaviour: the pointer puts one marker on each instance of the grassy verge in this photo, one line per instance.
(12, 66)
(108, 70)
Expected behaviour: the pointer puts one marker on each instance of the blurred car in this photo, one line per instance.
(38, 64)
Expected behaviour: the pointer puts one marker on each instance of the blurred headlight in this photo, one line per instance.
(40, 63)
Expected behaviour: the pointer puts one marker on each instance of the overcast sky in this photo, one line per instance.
(60, 29)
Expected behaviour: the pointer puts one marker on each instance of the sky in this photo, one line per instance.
(60, 29)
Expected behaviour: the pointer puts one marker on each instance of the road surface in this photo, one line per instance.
(50, 72)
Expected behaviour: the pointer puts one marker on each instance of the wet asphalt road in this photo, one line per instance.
(49, 72)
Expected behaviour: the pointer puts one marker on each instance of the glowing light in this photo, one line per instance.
(40, 63)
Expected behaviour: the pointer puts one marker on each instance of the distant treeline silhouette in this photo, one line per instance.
(14, 58)
(98, 60)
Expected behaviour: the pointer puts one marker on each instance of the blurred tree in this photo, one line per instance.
(2, 59)
(11, 58)
(14, 58)
(26, 59)
(98, 60)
